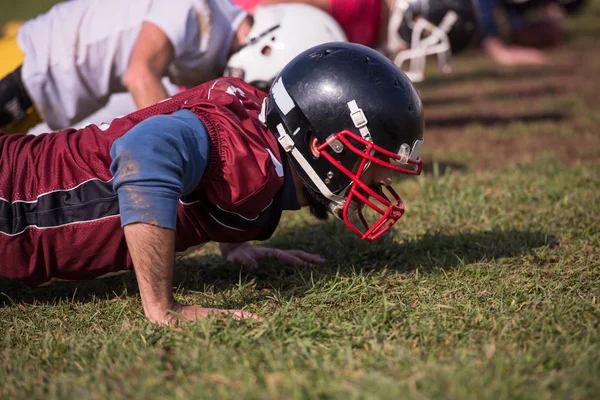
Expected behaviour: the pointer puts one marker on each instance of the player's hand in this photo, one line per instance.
(185, 312)
(249, 256)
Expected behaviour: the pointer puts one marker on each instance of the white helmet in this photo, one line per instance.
(279, 33)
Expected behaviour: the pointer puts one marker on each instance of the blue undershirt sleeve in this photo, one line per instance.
(155, 163)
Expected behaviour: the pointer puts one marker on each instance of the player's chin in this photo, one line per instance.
(352, 209)
(356, 206)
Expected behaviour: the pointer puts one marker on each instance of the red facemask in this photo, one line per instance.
(390, 211)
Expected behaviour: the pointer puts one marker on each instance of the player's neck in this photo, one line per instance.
(240, 35)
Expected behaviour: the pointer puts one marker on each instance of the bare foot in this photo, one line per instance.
(513, 55)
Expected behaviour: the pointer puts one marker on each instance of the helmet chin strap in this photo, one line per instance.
(288, 145)
(338, 201)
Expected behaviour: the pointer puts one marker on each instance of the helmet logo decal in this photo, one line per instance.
(282, 97)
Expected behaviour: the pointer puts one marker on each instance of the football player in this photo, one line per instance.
(219, 163)
(404, 30)
(81, 52)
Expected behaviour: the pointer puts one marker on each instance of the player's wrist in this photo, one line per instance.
(226, 248)
(163, 313)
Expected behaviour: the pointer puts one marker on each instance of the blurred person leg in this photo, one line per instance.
(493, 45)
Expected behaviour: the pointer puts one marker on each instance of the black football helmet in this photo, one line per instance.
(362, 109)
(430, 27)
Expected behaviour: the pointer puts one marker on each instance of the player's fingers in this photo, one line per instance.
(262, 252)
(313, 258)
(296, 257)
(290, 258)
(241, 314)
(236, 314)
(245, 259)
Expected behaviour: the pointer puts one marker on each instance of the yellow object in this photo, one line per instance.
(11, 57)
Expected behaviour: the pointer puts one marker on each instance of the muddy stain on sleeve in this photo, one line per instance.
(130, 171)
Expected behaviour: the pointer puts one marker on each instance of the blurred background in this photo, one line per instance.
(488, 287)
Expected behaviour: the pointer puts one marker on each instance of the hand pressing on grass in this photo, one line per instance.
(249, 256)
(152, 250)
(191, 313)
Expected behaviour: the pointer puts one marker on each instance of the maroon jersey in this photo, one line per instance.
(59, 213)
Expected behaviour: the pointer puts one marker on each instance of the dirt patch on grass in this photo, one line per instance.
(500, 116)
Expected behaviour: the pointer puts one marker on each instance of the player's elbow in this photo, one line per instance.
(139, 75)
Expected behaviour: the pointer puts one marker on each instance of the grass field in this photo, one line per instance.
(488, 288)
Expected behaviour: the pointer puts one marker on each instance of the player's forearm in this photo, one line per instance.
(148, 62)
(145, 87)
(152, 250)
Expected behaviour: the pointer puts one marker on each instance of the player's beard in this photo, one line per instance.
(317, 203)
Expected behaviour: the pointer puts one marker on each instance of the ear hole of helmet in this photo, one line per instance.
(310, 138)
(266, 51)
